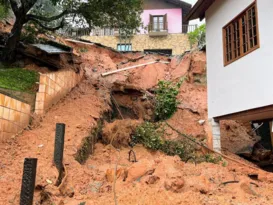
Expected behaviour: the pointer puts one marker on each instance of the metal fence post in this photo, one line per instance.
(28, 181)
(59, 146)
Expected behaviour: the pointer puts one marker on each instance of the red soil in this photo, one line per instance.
(156, 179)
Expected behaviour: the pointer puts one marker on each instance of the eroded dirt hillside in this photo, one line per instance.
(155, 178)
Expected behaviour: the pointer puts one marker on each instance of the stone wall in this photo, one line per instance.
(179, 43)
(14, 116)
(54, 86)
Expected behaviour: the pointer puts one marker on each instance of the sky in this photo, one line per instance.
(192, 2)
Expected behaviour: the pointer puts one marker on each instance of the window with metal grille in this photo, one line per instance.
(124, 47)
(241, 36)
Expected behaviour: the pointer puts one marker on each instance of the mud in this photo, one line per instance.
(155, 178)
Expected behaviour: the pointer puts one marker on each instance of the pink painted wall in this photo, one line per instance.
(174, 19)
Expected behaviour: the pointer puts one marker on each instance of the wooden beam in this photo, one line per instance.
(261, 113)
(131, 67)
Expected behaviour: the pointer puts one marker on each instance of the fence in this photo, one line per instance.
(188, 28)
(115, 32)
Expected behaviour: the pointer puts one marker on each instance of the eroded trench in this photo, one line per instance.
(129, 108)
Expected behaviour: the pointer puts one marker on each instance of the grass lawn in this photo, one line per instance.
(18, 79)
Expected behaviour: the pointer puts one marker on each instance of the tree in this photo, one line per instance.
(198, 36)
(4, 9)
(124, 14)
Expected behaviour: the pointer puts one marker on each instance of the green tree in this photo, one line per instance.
(55, 14)
(198, 36)
(4, 9)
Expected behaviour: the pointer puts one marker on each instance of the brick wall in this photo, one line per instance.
(54, 86)
(14, 116)
(179, 43)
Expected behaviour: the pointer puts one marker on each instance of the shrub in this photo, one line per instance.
(166, 102)
(151, 136)
(83, 50)
(198, 36)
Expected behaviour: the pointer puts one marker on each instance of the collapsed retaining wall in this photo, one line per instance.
(14, 116)
(54, 86)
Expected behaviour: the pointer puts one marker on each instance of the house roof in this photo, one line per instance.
(199, 10)
(186, 7)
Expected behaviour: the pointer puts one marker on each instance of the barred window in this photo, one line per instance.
(241, 36)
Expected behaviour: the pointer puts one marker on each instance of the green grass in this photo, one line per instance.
(18, 79)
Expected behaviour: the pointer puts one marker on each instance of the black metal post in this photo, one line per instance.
(59, 146)
(28, 181)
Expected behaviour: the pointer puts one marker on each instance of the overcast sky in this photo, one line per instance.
(192, 2)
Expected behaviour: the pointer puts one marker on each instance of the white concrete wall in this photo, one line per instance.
(248, 82)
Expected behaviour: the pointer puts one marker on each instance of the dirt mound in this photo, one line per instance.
(134, 105)
(237, 136)
(119, 132)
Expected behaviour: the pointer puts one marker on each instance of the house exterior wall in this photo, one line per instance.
(179, 43)
(246, 83)
(174, 19)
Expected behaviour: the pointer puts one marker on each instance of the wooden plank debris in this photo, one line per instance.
(131, 67)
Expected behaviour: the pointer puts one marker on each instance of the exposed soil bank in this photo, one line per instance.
(156, 178)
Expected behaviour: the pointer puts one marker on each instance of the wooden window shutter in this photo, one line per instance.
(165, 22)
(151, 22)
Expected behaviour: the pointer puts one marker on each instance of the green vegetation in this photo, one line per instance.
(151, 136)
(166, 102)
(51, 15)
(212, 159)
(83, 50)
(88, 143)
(4, 9)
(198, 36)
(18, 79)
(30, 33)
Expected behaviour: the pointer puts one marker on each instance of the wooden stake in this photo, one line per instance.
(131, 67)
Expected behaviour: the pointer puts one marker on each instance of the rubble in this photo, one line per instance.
(155, 178)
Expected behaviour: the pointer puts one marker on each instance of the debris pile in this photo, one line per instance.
(116, 105)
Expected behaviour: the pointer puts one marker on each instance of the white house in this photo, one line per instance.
(239, 60)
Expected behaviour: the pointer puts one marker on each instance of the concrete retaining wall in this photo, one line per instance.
(54, 86)
(14, 116)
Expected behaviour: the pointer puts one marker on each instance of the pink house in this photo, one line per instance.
(162, 17)
(173, 21)
(164, 30)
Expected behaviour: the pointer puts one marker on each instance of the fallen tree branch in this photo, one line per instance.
(229, 182)
(202, 145)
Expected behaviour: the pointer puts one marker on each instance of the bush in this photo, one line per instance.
(198, 36)
(151, 136)
(148, 134)
(166, 102)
